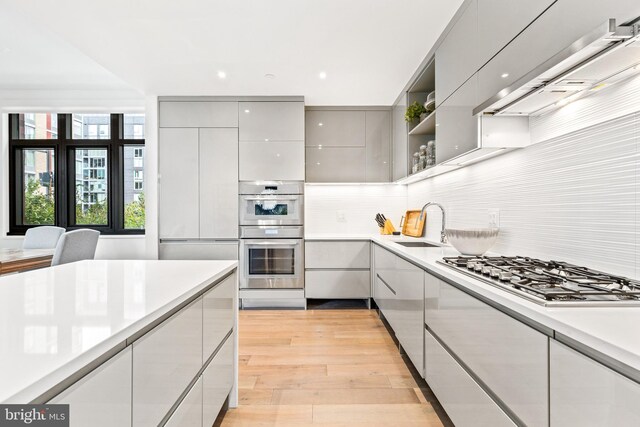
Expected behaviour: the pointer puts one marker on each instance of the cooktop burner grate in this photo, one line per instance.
(551, 283)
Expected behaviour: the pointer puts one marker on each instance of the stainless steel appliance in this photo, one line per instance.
(272, 257)
(271, 203)
(271, 235)
(550, 283)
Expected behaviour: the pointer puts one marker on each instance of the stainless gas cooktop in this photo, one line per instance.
(550, 283)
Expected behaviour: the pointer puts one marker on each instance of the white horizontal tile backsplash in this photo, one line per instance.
(572, 198)
(359, 205)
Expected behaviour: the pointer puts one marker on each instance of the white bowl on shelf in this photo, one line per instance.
(472, 241)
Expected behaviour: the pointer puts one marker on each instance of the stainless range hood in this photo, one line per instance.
(608, 54)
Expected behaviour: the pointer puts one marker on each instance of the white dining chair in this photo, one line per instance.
(44, 237)
(76, 245)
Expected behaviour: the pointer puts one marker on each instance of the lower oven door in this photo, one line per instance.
(271, 264)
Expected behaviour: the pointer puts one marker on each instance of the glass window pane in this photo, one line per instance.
(36, 126)
(133, 187)
(38, 207)
(134, 126)
(92, 194)
(91, 126)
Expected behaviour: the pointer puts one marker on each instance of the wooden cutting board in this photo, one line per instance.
(412, 226)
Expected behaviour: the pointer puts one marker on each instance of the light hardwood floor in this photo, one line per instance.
(323, 367)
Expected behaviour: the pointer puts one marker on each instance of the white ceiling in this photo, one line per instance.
(368, 48)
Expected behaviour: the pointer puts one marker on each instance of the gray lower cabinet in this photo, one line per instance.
(465, 402)
(198, 114)
(218, 314)
(348, 145)
(585, 393)
(178, 167)
(337, 284)
(175, 343)
(199, 249)
(217, 380)
(337, 269)
(399, 293)
(189, 412)
(507, 356)
(337, 254)
(103, 397)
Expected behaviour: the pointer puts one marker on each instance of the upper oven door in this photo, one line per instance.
(271, 210)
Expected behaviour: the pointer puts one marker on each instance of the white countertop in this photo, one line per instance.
(610, 331)
(55, 321)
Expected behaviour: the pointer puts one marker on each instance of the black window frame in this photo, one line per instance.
(64, 177)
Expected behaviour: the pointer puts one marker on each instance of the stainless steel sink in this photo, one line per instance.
(417, 244)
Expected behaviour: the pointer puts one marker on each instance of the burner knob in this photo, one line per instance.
(471, 265)
(478, 267)
(495, 272)
(486, 270)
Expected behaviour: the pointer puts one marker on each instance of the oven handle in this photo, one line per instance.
(269, 198)
(272, 244)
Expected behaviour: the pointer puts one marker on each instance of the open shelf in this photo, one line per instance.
(426, 126)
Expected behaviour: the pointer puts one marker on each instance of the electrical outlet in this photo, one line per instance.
(494, 218)
(340, 216)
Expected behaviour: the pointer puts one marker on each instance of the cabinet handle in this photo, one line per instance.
(386, 284)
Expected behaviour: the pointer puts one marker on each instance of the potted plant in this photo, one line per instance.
(414, 111)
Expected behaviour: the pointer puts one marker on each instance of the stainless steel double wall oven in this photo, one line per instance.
(271, 235)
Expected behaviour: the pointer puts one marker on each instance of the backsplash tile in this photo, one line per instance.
(359, 203)
(572, 198)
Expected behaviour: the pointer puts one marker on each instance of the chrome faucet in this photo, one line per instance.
(443, 235)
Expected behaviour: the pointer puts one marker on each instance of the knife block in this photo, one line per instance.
(388, 228)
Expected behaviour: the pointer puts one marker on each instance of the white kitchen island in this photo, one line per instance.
(123, 342)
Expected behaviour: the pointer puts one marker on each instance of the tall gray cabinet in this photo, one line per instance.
(198, 168)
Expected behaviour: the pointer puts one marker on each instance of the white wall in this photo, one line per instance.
(109, 247)
(359, 205)
(574, 197)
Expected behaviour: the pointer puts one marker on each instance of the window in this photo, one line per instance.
(134, 126)
(101, 185)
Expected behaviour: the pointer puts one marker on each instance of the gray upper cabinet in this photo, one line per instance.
(334, 164)
(179, 196)
(218, 178)
(189, 114)
(400, 164)
(271, 121)
(499, 21)
(457, 132)
(562, 24)
(348, 145)
(329, 128)
(457, 56)
(378, 146)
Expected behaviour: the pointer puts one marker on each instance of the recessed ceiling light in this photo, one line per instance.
(322, 75)
(222, 75)
(269, 76)
(266, 140)
(320, 147)
(318, 163)
(320, 124)
(278, 155)
(247, 111)
(504, 75)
